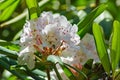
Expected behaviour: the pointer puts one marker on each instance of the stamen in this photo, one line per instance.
(58, 50)
(38, 40)
(38, 49)
(47, 50)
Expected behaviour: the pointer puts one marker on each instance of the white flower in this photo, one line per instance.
(27, 57)
(48, 35)
(87, 51)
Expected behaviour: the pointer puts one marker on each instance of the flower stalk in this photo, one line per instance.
(48, 73)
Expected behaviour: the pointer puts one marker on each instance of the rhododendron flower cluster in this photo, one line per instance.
(47, 35)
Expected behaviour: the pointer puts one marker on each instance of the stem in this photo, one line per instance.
(57, 73)
(38, 58)
(48, 73)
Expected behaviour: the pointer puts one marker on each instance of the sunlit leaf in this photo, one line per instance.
(85, 25)
(7, 52)
(115, 45)
(8, 11)
(117, 75)
(17, 35)
(10, 45)
(33, 8)
(6, 4)
(101, 47)
(12, 77)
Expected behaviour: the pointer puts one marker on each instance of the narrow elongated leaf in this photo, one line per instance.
(81, 73)
(7, 52)
(68, 73)
(22, 73)
(113, 9)
(22, 15)
(117, 75)
(115, 47)
(17, 35)
(15, 19)
(55, 59)
(33, 8)
(85, 25)
(6, 4)
(101, 47)
(35, 75)
(10, 45)
(6, 64)
(8, 11)
(39, 72)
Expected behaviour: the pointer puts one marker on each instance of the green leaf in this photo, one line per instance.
(81, 73)
(113, 9)
(17, 35)
(12, 78)
(33, 8)
(89, 64)
(7, 52)
(10, 45)
(21, 73)
(36, 74)
(39, 73)
(22, 15)
(117, 75)
(4, 62)
(85, 25)
(115, 45)
(8, 11)
(68, 73)
(6, 3)
(101, 47)
(56, 59)
(15, 19)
